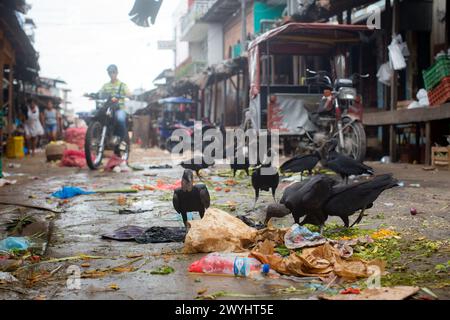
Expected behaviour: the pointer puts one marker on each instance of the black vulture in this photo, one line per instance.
(343, 165)
(240, 163)
(265, 177)
(304, 198)
(301, 163)
(346, 200)
(196, 164)
(144, 9)
(190, 197)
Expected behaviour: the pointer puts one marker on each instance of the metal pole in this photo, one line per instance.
(243, 25)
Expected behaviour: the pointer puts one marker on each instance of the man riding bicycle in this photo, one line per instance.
(117, 88)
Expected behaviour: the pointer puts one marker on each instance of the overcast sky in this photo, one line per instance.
(78, 39)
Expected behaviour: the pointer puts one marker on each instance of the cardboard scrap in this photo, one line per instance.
(318, 261)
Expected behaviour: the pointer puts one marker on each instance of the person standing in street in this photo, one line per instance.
(32, 125)
(51, 120)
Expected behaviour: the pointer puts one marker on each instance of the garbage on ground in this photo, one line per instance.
(70, 192)
(6, 182)
(163, 270)
(162, 235)
(218, 231)
(73, 158)
(228, 264)
(299, 237)
(161, 185)
(386, 160)
(123, 167)
(131, 211)
(320, 261)
(14, 243)
(413, 211)
(165, 166)
(414, 185)
(251, 223)
(14, 165)
(383, 293)
(147, 235)
(6, 277)
(113, 162)
(127, 233)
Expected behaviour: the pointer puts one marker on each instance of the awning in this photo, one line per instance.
(181, 100)
(300, 39)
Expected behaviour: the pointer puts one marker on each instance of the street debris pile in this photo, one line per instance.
(303, 259)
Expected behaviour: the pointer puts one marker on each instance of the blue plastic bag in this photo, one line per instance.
(70, 192)
(12, 243)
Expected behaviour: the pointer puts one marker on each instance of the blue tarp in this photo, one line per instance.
(175, 100)
(70, 192)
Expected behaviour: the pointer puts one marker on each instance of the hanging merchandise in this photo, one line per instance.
(384, 74)
(396, 49)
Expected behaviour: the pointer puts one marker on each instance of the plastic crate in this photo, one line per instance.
(433, 76)
(441, 93)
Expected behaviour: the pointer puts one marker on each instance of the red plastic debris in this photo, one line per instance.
(351, 291)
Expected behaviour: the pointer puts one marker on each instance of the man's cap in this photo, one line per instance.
(112, 68)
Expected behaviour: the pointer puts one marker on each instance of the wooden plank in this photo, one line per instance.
(407, 116)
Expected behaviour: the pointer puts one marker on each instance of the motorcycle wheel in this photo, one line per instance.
(92, 145)
(354, 140)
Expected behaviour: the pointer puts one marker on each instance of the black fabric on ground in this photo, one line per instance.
(162, 235)
(127, 233)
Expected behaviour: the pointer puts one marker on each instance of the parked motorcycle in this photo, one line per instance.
(101, 132)
(339, 116)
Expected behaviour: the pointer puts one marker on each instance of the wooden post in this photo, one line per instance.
(224, 102)
(349, 16)
(238, 102)
(2, 62)
(10, 100)
(428, 143)
(439, 28)
(394, 83)
(340, 18)
(215, 99)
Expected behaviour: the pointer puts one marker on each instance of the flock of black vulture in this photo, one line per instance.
(314, 199)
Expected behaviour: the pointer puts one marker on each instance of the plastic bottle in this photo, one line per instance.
(227, 264)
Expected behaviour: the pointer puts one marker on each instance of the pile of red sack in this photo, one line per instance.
(76, 136)
(73, 158)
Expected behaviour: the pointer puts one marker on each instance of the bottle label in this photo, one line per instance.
(240, 267)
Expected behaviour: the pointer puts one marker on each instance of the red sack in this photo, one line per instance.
(76, 136)
(73, 158)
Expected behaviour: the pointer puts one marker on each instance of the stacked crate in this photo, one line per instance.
(437, 81)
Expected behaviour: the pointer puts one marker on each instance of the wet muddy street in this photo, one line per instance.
(111, 269)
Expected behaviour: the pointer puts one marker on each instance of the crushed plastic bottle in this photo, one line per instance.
(12, 243)
(227, 264)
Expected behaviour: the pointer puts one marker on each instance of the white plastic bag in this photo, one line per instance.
(396, 54)
(384, 74)
(422, 96)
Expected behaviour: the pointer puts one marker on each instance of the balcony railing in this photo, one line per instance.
(196, 12)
